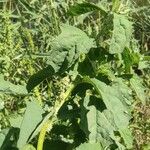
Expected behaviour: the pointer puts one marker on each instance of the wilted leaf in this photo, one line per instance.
(32, 118)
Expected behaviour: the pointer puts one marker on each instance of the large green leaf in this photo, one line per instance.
(114, 98)
(67, 47)
(32, 118)
(89, 146)
(83, 8)
(98, 124)
(115, 117)
(9, 88)
(121, 35)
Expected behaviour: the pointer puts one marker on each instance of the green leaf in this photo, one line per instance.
(121, 36)
(113, 97)
(28, 147)
(40, 125)
(15, 121)
(37, 78)
(3, 134)
(137, 85)
(127, 136)
(7, 87)
(98, 123)
(115, 117)
(67, 48)
(83, 8)
(32, 117)
(7, 137)
(130, 58)
(126, 56)
(89, 146)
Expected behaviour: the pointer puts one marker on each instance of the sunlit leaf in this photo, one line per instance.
(121, 35)
(89, 146)
(137, 85)
(9, 88)
(28, 147)
(67, 47)
(31, 119)
(103, 123)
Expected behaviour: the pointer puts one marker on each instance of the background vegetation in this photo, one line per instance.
(28, 31)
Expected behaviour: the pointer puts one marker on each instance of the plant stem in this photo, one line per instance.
(43, 131)
(49, 123)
